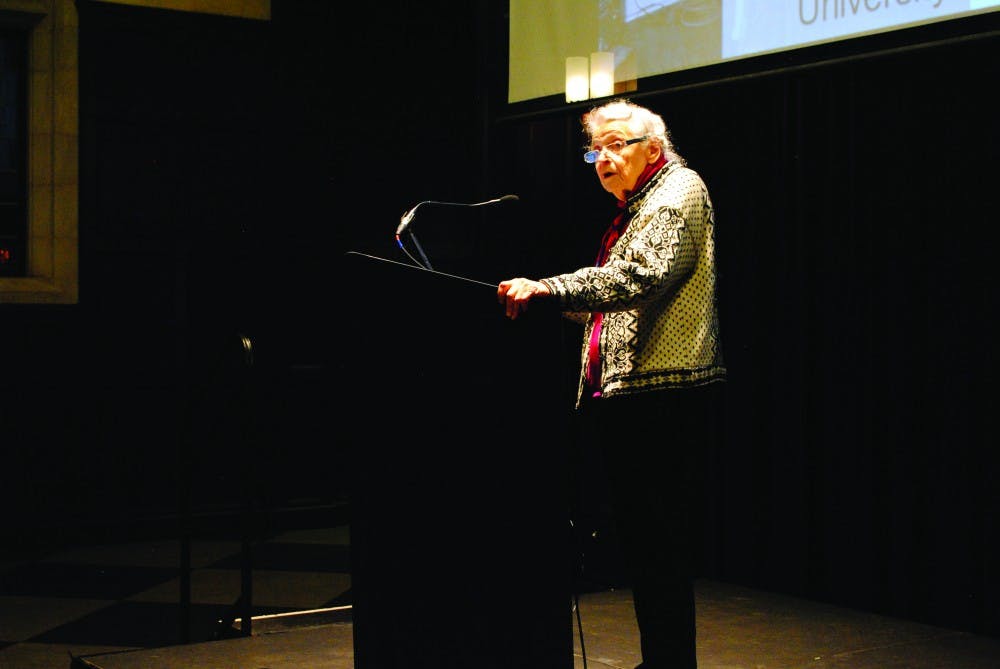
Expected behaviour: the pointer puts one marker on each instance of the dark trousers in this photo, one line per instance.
(651, 444)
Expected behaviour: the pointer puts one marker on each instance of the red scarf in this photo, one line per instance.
(618, 225)
(611, 235)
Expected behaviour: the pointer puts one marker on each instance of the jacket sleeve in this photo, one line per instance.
(650, 260)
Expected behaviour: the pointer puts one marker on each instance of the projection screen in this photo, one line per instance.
(651, 38)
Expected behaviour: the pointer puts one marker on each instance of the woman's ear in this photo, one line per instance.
(654, 152)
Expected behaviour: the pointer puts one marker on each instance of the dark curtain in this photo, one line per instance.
(855, 232)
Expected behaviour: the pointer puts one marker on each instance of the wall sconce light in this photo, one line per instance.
(602, 74)
(590, 79)
(577, 84)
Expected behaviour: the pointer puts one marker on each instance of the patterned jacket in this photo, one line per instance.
(657, 292)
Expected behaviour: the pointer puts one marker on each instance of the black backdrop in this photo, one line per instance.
(855, 229)
(226, 165)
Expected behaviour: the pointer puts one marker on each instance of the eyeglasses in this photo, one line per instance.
(615, 147)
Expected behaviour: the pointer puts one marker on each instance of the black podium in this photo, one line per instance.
(455, 418)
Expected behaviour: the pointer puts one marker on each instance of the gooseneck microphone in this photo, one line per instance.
(404, 222)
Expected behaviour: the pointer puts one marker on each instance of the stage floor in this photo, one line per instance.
(115, 606)
(738, 628)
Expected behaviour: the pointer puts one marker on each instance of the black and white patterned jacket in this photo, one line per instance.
(657, 291)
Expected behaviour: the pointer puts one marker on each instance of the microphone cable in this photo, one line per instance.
(425, 264)
(576, 603)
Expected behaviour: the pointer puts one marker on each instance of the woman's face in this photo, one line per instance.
(619, 170)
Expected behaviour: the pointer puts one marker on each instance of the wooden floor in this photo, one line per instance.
(738, 628)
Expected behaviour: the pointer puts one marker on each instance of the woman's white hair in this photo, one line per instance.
(640, 121)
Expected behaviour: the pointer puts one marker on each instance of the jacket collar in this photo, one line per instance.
(647, 182)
